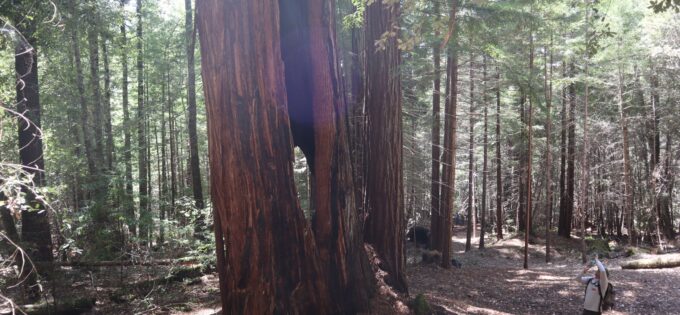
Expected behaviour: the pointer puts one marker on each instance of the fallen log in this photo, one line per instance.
(662, 261)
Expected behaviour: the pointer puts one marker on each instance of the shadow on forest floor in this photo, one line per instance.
(492, 281)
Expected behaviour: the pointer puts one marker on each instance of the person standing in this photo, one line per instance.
(596, 287)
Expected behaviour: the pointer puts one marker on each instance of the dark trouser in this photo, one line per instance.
(587, 312)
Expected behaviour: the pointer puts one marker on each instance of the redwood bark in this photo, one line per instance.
(384, 182)
(269, 260)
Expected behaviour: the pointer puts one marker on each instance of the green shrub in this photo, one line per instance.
(420, 305)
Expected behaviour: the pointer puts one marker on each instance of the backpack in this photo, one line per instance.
(607, 300)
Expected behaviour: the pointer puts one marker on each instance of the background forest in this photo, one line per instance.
(556, 117)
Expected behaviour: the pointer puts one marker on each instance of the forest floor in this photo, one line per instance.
(493, 281)
(489, 281)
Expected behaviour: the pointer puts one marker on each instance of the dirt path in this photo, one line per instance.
(492, 281)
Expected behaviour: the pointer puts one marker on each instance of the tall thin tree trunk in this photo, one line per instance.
(435, 216)
(447, 194)
(485, 158)
(627, 182)
(499, 175)
(127, 126)
(471, 226)
(84, 111)
(98, 121)
(585, 173)
(530, 128)
(144, 214)
(196, 185)
(107, 107)
(548, 150)
(567, 202)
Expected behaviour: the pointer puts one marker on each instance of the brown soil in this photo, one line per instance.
(493, 281)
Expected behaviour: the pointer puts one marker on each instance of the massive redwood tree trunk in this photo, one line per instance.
(269, 259)
(384, 182)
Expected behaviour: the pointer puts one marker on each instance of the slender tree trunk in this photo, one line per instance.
(164, 158)
(566, 213)
(471, 224)
(385, 196)
(664, 225)
(530, 128)
(435, 217)
(144, 214)
(196, 185)
(93, 41)
(173, 146)
(627, 182)
(127, 126)
(447, 206)
(548, 150)
(521, 152)
(499, 174)
(485, 158)
(84, 111)
(585, 173)
(563, 153)
(110, 149)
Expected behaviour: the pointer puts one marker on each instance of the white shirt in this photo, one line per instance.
(592, 298)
